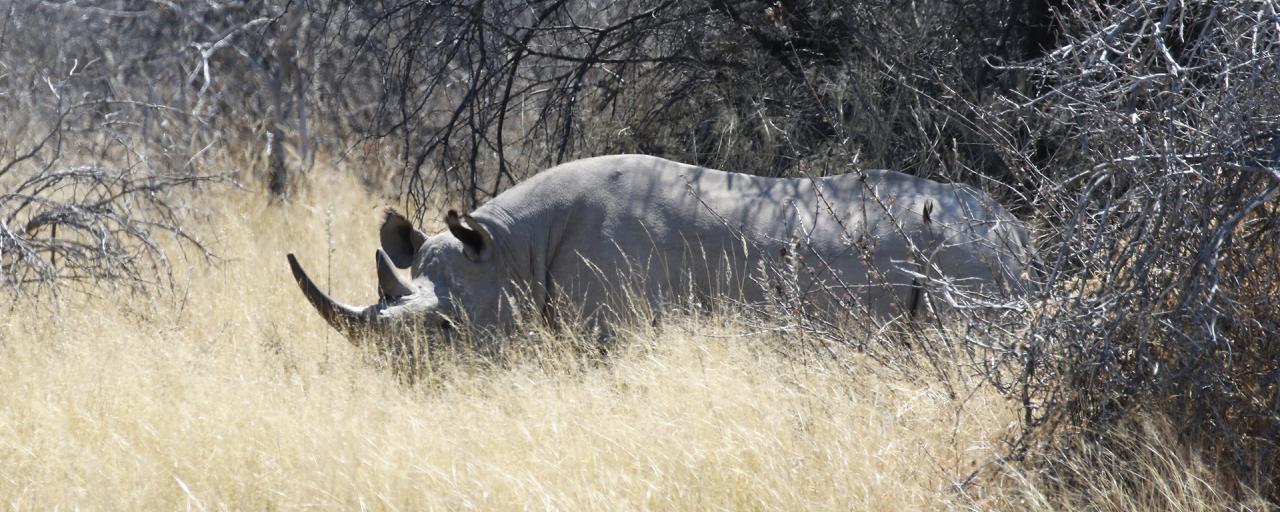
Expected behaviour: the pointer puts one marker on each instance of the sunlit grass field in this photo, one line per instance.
(231, 393)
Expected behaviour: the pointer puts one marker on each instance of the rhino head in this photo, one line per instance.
(454, 278)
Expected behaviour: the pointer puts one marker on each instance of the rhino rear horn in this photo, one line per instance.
(348, 320)
(390, 285)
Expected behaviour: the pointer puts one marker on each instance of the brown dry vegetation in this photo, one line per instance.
(238, 396)
(235, 395)
(154, 351)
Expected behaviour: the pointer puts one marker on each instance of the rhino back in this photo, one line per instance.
(591, 225)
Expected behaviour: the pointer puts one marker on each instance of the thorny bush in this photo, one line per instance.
(1148, 144)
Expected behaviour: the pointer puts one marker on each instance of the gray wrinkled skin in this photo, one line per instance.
(574, 235)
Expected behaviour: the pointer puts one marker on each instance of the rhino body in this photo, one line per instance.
(576, 235)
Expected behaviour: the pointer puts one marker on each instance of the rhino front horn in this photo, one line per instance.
(348, 320)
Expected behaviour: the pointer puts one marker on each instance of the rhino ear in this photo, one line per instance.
(475, 239)
(399, 239)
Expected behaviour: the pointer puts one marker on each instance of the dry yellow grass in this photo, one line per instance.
(235, 395)
(1142, 468)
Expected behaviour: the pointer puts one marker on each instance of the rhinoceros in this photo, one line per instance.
(580, 234)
